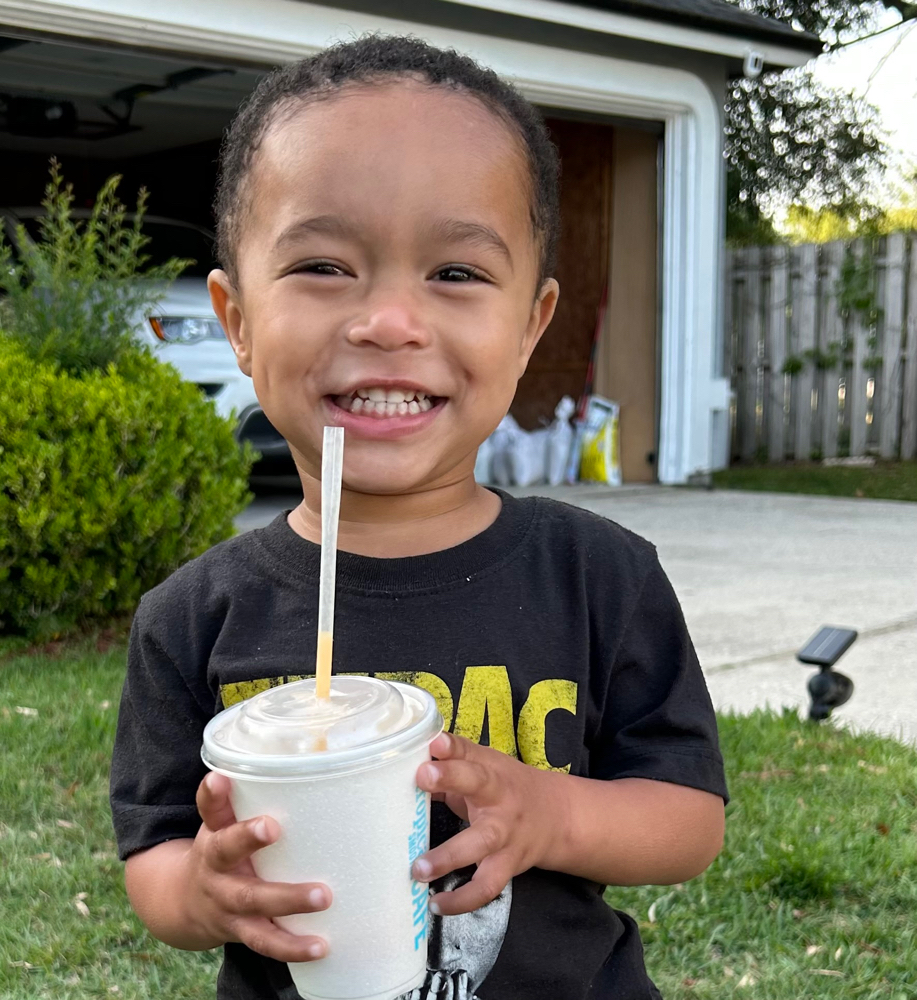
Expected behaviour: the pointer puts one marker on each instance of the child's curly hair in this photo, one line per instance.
(371, 59)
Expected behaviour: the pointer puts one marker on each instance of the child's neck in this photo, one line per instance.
(413, 524)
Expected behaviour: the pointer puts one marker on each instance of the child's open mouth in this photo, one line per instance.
(383, 413)
(383, 404)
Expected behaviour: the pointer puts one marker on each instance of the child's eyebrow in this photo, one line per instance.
(322, 225)
(475, 233)
(448, 230)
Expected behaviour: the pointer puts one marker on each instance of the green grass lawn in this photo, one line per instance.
(883, 481)
(814, 895)
(67, 930)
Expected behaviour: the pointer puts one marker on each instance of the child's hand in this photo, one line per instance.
(226, 900)
(512, 809)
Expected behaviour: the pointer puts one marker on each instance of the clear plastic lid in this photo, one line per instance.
(287, 732)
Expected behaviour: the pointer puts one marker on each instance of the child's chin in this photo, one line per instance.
(384, 481)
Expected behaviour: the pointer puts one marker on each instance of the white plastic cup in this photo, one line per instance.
(351, 816)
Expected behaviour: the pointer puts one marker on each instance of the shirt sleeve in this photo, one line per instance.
(658, 721)
(156, 765)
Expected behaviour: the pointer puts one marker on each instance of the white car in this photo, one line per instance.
(184, 331)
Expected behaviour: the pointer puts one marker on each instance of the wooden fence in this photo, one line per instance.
(821, 343)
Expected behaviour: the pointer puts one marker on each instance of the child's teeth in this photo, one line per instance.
(377, 402)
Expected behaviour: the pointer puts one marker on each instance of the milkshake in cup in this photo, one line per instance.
(338, 774)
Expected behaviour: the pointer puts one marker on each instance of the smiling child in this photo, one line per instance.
(387, 218)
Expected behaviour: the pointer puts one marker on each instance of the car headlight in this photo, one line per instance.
(186, 329)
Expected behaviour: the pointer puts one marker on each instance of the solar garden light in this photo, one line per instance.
(828, 689)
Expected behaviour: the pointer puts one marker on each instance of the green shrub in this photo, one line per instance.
(72, 296)
(108, 482)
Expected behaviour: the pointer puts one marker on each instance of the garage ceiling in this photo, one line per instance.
(111, 104)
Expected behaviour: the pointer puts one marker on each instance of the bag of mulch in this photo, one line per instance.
(526, 452)
(483, 464)
(500, 471)
(600, 456)
(576, 452)
(560, 441)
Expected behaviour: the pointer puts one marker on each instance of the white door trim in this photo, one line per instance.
(273, 31)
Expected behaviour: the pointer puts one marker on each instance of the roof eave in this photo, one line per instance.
(779, 52)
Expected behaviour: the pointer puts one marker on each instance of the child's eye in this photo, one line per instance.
(459, 273)
(319, 267)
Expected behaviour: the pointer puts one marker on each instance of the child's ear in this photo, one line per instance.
(225, 300)
(542, 312)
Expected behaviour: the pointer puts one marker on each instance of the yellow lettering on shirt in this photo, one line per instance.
(230, 694)
(486, 692)
(544, 697)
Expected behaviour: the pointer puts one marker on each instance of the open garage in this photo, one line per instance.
(155, 120)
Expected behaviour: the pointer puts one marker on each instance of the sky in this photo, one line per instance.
(882, 69)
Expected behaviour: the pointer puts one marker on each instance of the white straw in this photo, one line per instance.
(332, 472)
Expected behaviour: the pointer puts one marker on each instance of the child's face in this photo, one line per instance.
(387, 249)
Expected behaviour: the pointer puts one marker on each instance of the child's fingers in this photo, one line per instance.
(488, 882)
(213, 801)
(468, 778)
(469, 847)
(225, 849)
(442, 746)
(446, 746)
(266, 938)
(253, 897)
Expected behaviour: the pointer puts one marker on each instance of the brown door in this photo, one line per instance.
(608, 235)
(627, 366)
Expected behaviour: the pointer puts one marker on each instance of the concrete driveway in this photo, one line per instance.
(758, 573)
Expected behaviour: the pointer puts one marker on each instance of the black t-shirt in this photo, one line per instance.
(554, 636)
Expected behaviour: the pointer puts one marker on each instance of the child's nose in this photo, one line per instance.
(390, 328)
